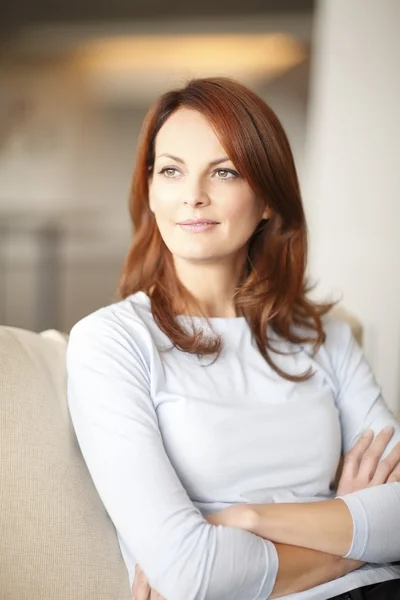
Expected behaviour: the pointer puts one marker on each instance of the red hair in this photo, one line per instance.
(272, 289)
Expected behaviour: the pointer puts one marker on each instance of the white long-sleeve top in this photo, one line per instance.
(169, 438)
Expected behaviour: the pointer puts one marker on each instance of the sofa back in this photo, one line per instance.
(56, 540)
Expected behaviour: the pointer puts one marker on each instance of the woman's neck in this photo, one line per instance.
(212, 285)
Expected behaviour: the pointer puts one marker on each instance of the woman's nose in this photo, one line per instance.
(196, 195)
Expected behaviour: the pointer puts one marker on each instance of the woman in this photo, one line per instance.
(212, 402)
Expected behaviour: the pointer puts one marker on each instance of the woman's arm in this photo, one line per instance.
(329, 526)
(365, 524)
(299, 569)
(302, 569)
(183, 556)
(357, 394)
(362, 525)
(322, 526)
(375, 511)
(326, 526)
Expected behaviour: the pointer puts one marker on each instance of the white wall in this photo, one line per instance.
(352, 188)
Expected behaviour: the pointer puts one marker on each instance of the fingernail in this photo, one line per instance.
(388, 429)
(368, 432)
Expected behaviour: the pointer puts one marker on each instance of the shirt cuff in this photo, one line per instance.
(376, 523)
(360, 526)
(271, 571)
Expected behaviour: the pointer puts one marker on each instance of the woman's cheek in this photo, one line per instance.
(165, 200)
(237, 212)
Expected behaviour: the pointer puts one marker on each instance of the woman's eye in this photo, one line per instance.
(169, 172)
(226, 174)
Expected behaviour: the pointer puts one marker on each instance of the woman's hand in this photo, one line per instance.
(238, 515)
(363, 466)
(141, 589)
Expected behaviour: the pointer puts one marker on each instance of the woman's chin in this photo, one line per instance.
(203, 256)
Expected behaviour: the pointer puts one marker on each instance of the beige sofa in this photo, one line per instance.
(56, 539)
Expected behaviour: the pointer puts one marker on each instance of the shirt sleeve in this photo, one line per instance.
(375, 511)
(182, 555)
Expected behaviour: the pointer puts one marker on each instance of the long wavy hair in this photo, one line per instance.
(272, 289)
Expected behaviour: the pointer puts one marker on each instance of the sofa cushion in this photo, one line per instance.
(57, 541)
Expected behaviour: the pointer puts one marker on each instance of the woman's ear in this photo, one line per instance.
(267, 214)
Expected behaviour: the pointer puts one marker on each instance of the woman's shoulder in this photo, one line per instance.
(337, 330)
(124, 322)
(340, 344)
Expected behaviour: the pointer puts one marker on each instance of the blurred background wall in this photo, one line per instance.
(75, 82)
(352, 184)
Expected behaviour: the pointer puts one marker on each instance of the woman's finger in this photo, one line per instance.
(387, 467)
(141, 587)
(351, 461)
(395, 474)
(353, 458)
(394, 456)
(373, 454)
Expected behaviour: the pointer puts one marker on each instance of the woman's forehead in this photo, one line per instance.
(187, 131)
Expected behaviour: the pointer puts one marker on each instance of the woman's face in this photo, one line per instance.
(204, 209)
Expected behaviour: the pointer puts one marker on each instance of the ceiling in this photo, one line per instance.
(19, 13)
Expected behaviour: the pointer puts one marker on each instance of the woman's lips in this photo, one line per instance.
(197, 227)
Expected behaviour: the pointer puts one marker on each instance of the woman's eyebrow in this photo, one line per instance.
(213, 163)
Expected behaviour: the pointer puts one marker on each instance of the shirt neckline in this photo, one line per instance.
(221, 321)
